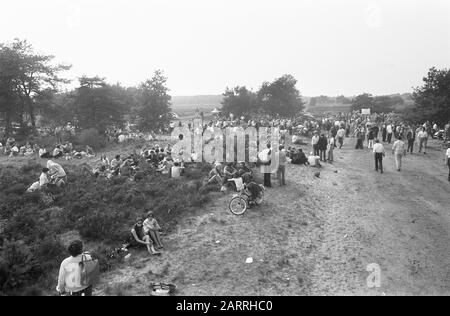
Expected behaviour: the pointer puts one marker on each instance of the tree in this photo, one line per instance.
(98, 105)
(239, 101)
(153, 109)
(362, 101)
(281, 96)
(432, 99)
(9, 72)
(37, 73)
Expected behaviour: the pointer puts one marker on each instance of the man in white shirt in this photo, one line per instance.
(315, 143)
(379, 152)
(422, 137)
(340, 136)
(389, 133)
(447, 157)
(399, 150)
(69, 279)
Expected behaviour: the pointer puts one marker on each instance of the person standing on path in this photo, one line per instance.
(398, 149)
(370, 138)
(265, 157)
(314, 143)
(359, 139)
(389, 133)
(384, 132)
(447, 156)
(411, 138)
(423, 136)
(379, 152)
(280, 158)
(323, 144)
(331, 142)
(340, 136)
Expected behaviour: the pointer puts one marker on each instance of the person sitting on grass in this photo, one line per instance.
(57, 173)
(138, 238)
(152, 228)
(115, 165)
(14, 151)
(215, 175)
(244, 172)
(89, 151)
(229, 172)
(44, 154)
(58, 152)
(43, 178)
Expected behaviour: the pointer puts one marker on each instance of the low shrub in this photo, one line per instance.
(101, 210)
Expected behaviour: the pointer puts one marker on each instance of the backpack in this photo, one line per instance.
(89, 270)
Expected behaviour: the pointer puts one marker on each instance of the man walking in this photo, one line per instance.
(315, 143)
(422, 136)
(411, 138)
(389, 133)
(447, 156)
(398, 149)
(280, 158)
(379, 152)
(340, 136)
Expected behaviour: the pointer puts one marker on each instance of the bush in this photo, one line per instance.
(92, 138)
(102, 211)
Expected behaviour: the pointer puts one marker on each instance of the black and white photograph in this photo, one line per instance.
(223, 154)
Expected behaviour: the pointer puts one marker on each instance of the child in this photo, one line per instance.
(152, 228)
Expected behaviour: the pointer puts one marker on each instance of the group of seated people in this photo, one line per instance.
(67, 150)
(141, 159)
(298, 157)
(11, 148)
(221, 174)
(14, 149)
(146, 233)
(53, 175)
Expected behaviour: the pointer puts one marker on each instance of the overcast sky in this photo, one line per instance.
(332, 47)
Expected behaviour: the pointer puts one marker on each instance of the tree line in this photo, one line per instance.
(31, 96)
(279, 97)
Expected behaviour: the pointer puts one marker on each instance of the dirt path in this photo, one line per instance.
(315, 236)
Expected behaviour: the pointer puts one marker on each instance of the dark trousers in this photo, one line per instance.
(379, 161)
(316, 150)
(281, 172)
(359, 143)
(384, 136)
(448, 163)
(267, 182)
(389, 138)
(323, 155)
(341, 142)
(87, 292)
(410, 146)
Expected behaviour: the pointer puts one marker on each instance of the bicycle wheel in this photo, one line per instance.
(238, 205)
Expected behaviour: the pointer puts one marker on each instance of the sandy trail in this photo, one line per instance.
(315, 236)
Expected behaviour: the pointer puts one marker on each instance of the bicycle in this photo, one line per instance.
(243, 200)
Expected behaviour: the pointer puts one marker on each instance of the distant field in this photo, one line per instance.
(333, 108)
(186, 106)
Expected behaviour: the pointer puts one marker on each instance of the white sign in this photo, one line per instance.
(365, 111)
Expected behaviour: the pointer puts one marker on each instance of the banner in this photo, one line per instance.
(365, 111)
